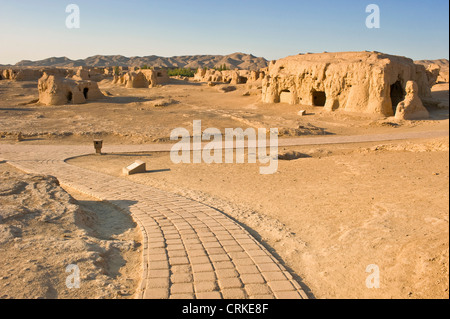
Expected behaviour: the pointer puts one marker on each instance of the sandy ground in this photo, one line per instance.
(328, 214)
(331, 213)
(129, 115)
(43, 230)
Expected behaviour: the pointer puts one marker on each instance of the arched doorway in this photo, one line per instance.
(397, 95)
(69, 97)
(85, 93)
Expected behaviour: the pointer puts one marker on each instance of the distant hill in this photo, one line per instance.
(233, 61)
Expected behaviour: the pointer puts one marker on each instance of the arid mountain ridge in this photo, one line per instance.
(236, 60)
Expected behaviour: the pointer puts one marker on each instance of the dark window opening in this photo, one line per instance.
(85, 93)
(319, 98)
(243, 80)
(69, 97)
(397, 95)
(159, 74)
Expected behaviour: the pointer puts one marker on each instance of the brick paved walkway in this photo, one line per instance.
(190, 250)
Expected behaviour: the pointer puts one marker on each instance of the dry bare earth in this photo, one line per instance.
(328, 215)
(130, 116)
(332, 212)
(43, 230)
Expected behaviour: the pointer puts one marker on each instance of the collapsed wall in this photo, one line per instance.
(438, 70)
(142, 78)
(233, 77)
(363, 82)
(31, 74)
(54, 90)
(84, 73)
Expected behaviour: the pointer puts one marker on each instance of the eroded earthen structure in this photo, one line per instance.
(54, 90)
(232, 77)
(363, 82)
(142, 78)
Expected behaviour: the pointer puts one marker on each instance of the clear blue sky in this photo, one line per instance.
(33, 30)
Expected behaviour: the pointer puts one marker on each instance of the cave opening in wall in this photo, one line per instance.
(319, 98)
(85, 93)
(397, 95)
(69, 97)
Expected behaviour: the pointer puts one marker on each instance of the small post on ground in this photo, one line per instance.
(98, 144)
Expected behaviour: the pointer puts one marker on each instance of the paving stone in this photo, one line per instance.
(202, 268)
(205, 286)
(257, 289)
(196, 253)
(211, 239)
(273, 276)
(183, 288)
(181, 278)
(262, 259)
(243, 262)
(193, 247)
(252, 279)
(178, 261)
(180, 269)
(224, 265)
(227, 273)
(192, 241)
(158, 274)
(159, 257)
(238, 255)
(152, 245)
(287, 295)
(176, 253)
(157, 283)
(263, 297)
(230, 249)
(215, 244)
(247, 269)
(215, 258)
(281, 286)
(174, 242)
(209, 295)
(158, 293)
(157, 251)
(216, 251)
(204, 276)
(226, 283)
(233, 294)
(256, 253)
(182, 296)
(199, 260)
(158, 265)
(269, 267)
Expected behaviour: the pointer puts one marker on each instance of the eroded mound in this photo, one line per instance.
(43, 230)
